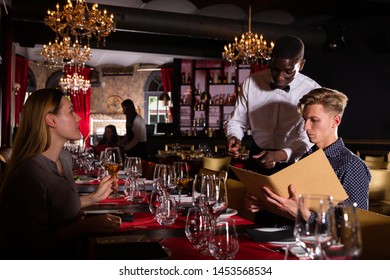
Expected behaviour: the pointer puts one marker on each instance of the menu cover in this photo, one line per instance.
(310, 175)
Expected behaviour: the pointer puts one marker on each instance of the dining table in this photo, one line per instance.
(142, 237)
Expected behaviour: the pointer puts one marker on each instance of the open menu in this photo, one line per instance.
(312, 174)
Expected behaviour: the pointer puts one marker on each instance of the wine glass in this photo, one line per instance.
(133, 167)
(166, 212)
(213, 195)
(196, 190)
(223, 244)
(112, 162)
(198, 229)
(165, 178)
(182, 178)
(348, 242)
(314, 224)
(134, 190)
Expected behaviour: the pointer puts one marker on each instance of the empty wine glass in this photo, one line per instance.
(154, 201)
(314, 224)
(182, 178)
(213, 195)
(165, 178)
(348, 242)
(223, 244)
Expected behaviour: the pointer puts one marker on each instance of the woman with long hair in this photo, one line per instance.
(134, 142)
(39, 202)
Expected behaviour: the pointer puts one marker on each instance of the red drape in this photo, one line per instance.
(82, 102)
(167, 79)
(21, 77)
(7, 85)
(259, 66)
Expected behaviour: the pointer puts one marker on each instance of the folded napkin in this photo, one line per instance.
(271, 234)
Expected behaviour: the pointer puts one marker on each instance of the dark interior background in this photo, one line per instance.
(347, 45)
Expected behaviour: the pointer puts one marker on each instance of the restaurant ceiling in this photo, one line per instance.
(155, 31)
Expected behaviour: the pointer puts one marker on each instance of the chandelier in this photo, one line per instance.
(75, 83)
(251, 48)
(75, 25)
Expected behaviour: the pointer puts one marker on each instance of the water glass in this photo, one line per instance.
(198, 228)
(314, 224)
(223, 244)
(154, 201)
(166, 212)
(348, 241)
(135, 190)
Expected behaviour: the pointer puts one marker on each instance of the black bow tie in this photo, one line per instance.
(273, 86)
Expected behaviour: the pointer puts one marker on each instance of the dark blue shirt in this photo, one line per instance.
(351, 170)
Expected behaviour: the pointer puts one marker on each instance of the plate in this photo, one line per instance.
(229, 212)
(269, 229)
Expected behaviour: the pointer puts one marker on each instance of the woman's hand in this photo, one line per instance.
(102, 192)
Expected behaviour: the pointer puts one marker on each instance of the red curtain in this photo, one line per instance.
(81, 101)
(7, 84)
(21, 77)
(167, 79)
(259, 66)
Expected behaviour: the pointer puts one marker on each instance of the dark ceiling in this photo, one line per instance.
(154, 31)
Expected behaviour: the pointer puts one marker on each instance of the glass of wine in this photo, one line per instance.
(112, 162)
(182, 179)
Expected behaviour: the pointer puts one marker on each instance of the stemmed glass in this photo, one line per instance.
(134, 190)
(223, 244)
(314, 224)
(182, 178)
(348, 242)
(213, 195)
(165, 178)
(112, 162)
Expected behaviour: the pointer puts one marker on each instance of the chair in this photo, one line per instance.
(148, 169)
(379, 191)
(221, 173)
(377, 164)
(374, 158)
(217, 164)
(236, 197)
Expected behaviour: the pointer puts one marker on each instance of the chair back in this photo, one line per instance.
(217, 164)
(148, 169)
(377, 164)
(379, 187)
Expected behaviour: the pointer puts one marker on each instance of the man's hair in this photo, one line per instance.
(331, 99)
(288, 47)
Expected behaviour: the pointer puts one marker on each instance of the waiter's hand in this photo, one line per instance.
(268, 159)
(233, 145)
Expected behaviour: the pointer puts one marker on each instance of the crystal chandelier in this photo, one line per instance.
(75, 83)
(251, 48)
(74, 27)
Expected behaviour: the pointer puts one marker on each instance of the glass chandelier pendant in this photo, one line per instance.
(251, 48)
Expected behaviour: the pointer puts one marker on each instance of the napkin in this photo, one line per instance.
(270, 234)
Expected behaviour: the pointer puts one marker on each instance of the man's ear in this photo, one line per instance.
(337, 120)
(50, 120)
(302, 64)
